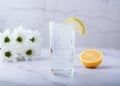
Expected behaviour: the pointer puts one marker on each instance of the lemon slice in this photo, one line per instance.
(91, 58)
(79, 26)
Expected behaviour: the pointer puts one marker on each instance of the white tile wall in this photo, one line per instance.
(102, 18)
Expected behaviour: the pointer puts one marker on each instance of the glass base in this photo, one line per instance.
(63, 72)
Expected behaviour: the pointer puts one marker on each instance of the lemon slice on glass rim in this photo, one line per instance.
(79, 26)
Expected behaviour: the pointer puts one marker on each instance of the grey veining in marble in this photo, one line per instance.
(38, 73)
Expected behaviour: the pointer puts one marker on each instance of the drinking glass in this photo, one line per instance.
(62, 47)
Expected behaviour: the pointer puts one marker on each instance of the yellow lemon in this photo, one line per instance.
(91, 58)
(79, 26)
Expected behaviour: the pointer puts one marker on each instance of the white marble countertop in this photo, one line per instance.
(38, 73)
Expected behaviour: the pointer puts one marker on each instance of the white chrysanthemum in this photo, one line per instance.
(21, 44)
(35, 38)
(5, 38)
(6, 45)
(33, 41)
(8, 54)
(19, 37)
(31, 51)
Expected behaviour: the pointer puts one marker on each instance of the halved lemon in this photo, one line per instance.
(79, 26)
(91, 58)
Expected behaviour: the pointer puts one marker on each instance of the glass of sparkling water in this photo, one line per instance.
(62, 46)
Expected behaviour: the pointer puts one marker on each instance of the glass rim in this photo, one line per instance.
(55, 22)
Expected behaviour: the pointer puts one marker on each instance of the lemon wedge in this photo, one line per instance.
(91, 58)
(79, 26)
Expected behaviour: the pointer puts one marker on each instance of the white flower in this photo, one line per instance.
(35, 39)
(8, 54)
(22, 43)
(19, 35)
(35, 36)
(5, 38)
(31, 51)
(6, 46)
